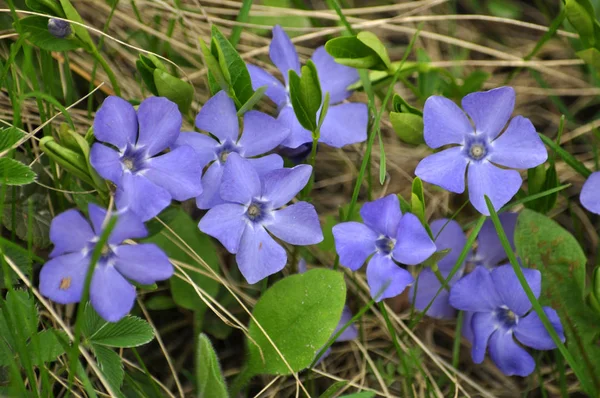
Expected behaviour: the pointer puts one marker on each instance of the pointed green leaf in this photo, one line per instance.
(334, 388)
(372, 41)
(580, 14)
(130, 331)
(258, 94)
(350, 51)
(13, 172)
(72, 14)
(211, 383)
(408, 127)
(175, 89)
(305, 94)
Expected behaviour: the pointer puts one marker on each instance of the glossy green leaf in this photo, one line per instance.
(333, 389)
(51, 7)
(175, 89)
(400, 105)
(298, 313)
(37, 27)
(211, 383)
(372, 41)
(408, 127)
(580, 14)
(72, 14)
(258, 94)
(591, 56)
(350, 51)
(306, 96)
(71, 161)
(13, 172)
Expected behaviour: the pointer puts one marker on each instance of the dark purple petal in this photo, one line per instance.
(510, 290)
(297, 224)
(483, 324)
(265, 164)
(490, 252)
(261, 134)
(354, 243)
(178, 171)
(280, 186)
(204, 146)
(386, 279)
(226, 223)
(444, 122)
(240, 182)
(259, 255)
(219, 117)
(334, 78)
(69, 232)
(160, 124)
(298, 134)
(144, 263)
(283, 53)
(345, 124)
(63, 277)
(413, 244)
(116, 122)
(350, 333)
(427, 286)
(519, 147)
(510, 358)
(475, 292)
(142, 196)
(590, 193)
(211, 187)
(275, 90)
(106, 162)
(498, 184)
(111, 295)
(446, 169)
(531, 332)
(382, 215)
(490, 110)
(450, 237)
(128, 226)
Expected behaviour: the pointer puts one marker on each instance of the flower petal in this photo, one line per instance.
(111, 295)
(204, 146)
(590, 193)
(444, 122)
(510, 358)
(144, 263)
(298, 134)
(69, 232)
(265, 164)
(350, 333)
(106, 162)
(413, 244)
(178, 171)
(427, 286)
(510, 290)
(489, 249)
(283, 53)
(475, 292)
(240, 182)
(116, 122)
(280, 186)
(386, 279)
(498, 184)
(259, 255)
(445, 169)
(63, 277)
(483, 325)
(160, 123)
(382, 215)
(219, 117)
(275, 90)
(142, 196)
(490, 110)
(345, 124)
(448, 234)
(467, 328)
(211, 187)
(354, 243)
(226, 223)
(128, 226)
(334, 78)
(531, 332)
(297, 224)
(519, 147)
(261, 134)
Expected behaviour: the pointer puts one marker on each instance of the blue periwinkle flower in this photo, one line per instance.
(502, 313)
(253, 210)
(590, 193)
(345, 123)
(146, 179)
(59, 28)
(386, 236)
(111, 293)
(479, 148)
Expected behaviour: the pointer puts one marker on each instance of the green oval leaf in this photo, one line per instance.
(306, 96)
(175, 89)
(372, 41)
(581, 15)
(13, 172)
(208, 371)
(350, 51)
(408, 127)
(130, 331)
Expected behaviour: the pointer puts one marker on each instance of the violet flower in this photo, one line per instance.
(479, 148)
(253, 211)
(146, 182)
(218, 116)
(502, 313)
(590, 193)
(345, 123)
(59, 28)
(112, 295)
(386, 236)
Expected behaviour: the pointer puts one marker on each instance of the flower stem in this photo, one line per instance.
(111, 75)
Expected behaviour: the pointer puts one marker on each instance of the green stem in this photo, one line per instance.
(457, 337)
(108, 70)
(236, 32)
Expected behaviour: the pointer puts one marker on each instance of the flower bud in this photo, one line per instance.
(59, 28)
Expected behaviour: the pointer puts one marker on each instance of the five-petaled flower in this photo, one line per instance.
(243, 224)
(590, 193)
(345, 123)
(112, 295)
(146, 182)
(218, 116)
(386, 235)
(479, 148)
(502, 312)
